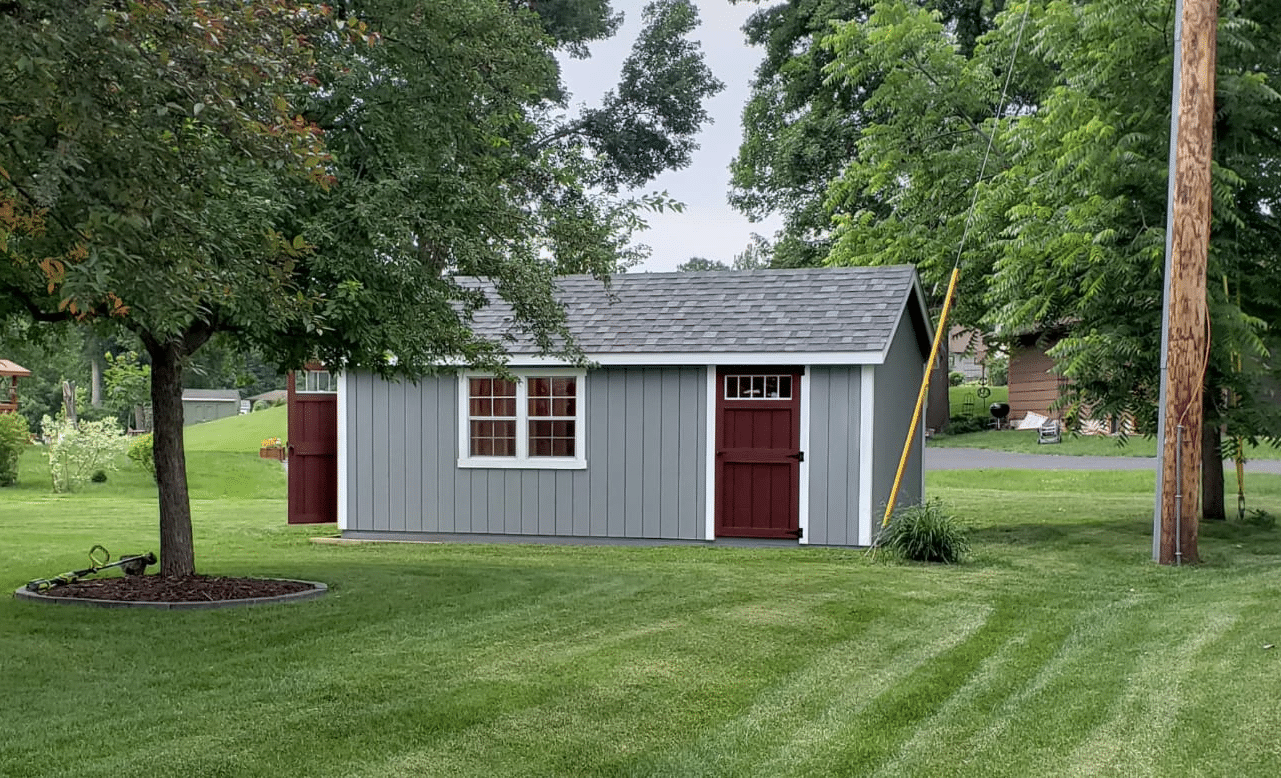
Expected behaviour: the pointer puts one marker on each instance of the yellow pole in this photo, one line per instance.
(920, 397)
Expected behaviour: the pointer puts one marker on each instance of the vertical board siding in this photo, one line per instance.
(898, 383)
(645, 431)
(834, 455)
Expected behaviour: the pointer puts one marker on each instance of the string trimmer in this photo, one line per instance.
(132, 565)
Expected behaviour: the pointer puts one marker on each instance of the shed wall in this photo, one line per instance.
(197, 411)
(645, 443)
(1033, 388)
(898, 382)
(833, 455)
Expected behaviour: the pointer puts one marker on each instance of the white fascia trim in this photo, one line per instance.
(709, 507)
(866, 416)
(803, 496)
(522, 460)
(713, 358)
(342, 451)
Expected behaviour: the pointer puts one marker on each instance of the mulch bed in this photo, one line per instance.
(162, 588)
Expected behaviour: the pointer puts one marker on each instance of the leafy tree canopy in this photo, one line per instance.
(311, 178)
(800, 128)
(1068, 230)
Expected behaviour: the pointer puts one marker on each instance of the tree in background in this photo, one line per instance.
(162, 170)
(1069, 224)
(800, 128)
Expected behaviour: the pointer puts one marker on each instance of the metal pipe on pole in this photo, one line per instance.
(1185, 324)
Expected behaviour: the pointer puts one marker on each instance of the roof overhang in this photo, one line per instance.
(712, 358)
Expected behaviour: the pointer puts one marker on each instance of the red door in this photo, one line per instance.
(758, 455)
(313, 447)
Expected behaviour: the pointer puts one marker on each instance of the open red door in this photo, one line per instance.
(313, 446)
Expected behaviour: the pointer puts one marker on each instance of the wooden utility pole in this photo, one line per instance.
(1186, 327)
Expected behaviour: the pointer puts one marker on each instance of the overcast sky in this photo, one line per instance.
(708, 227)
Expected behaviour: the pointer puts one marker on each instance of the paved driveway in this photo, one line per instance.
(979, 459)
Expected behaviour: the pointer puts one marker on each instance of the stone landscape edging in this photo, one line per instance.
(317, 590)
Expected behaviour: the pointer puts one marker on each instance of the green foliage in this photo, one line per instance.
(1068, 220)
(696, 264)
(925, 533)
(142, 453)
(961, 424)
(99, 477)
(14, 439)
(955, 378)
(162, 168)
(998, 371)
(1258, 517)
(801, 128)
(75, 454)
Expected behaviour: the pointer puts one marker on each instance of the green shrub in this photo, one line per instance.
(14, 437)
(142, 454)
(261, 405)
(1260, 518)
(955, 378)
(925, 533)
(99, 477)
(961, 424)
(75, 454)
(998, 371)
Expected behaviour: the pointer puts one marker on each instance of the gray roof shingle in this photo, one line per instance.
(800, 311)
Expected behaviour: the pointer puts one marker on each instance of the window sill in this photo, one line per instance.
(534, 463)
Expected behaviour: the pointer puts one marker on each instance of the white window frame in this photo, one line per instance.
(523, 460)
(302, 378)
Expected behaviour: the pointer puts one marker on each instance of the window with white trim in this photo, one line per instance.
(535, 421)
(314, 382)
(758, 387)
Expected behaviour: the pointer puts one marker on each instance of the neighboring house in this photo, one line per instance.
(766, 404)
(966, 352)
(1034, 387)
(208, 404)
(273, 397)
(10, 372)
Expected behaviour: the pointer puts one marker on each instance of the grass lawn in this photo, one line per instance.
(964, 399)
(1058, 649)
(1025, 441)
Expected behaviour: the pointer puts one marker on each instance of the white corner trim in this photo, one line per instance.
(803, 495)
(342, 450)
(709, 508)
(866, 452)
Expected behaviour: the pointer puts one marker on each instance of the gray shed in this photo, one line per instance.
(208, 404)
(766, 404)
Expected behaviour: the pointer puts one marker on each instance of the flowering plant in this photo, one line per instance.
(272, 443)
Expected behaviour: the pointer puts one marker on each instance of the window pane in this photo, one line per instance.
(493, 438)
(562, 447)
(563, 407)
(482, 387)
(540, 407)
(564, 387)
(785, 387)
(540, 387)
(504, 388)
(771, 386)
(481, 408)
(505, 407)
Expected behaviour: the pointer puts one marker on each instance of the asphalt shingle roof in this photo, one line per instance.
(800, 311)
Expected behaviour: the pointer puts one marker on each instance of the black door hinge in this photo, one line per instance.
(799, 456)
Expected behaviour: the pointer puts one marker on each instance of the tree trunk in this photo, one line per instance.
(95, 382)
(177, 554)
(1212, 508)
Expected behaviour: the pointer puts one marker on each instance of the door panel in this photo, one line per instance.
(313, 456)
(758, 453)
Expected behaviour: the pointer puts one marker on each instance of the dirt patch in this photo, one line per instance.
(192, 588)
